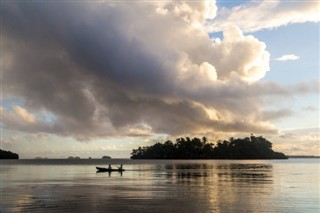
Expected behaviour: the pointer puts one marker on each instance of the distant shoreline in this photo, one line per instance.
(302, 156)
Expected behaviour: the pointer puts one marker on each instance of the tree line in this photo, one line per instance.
(195, 148)
(8, 155)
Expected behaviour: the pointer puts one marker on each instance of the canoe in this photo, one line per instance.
(101, 169)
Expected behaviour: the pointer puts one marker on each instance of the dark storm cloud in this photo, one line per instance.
(95, 38)
(102, 69)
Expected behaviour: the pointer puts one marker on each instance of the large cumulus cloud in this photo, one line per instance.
(105, 69)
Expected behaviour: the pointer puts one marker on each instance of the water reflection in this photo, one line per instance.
(250, 173)
(188, 173)
(156, 186)
(222, 187)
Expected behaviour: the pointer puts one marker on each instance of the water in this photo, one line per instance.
(160, 186)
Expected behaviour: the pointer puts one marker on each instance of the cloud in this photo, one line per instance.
(289, 57)
(241, 56)
(24, 114)
(275, 114)
(258, 15)
(18, 118)
(102, 69)
(298, 141)
(310, 108)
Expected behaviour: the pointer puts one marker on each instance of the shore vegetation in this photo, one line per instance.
(195, 148)
(8, 155)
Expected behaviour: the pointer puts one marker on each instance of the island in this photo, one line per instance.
(186, 148)
(73, 158)
(106, 157)
(303, 156)
(8, 155)
(41, 158)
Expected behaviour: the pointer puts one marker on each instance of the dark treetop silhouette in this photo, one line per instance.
(185, 148)
(8, 155)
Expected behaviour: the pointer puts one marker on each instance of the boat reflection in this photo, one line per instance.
(110, 172)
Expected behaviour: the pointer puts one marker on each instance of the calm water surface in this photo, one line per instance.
(160, 186)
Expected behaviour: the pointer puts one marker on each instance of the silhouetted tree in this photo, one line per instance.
(8, 155)
(186, 148)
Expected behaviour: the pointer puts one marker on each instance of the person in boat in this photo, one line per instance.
(120, 168)
(109, 167)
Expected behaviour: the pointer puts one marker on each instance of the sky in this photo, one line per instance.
(95, 78)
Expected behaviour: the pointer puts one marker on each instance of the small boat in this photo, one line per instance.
(101, 169)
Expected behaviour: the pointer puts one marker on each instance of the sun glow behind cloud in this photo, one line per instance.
(24, 114)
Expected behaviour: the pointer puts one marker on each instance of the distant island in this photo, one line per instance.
(106, 157)
(185, 148)
(8, 155)
(72, 158)
(303, 156)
